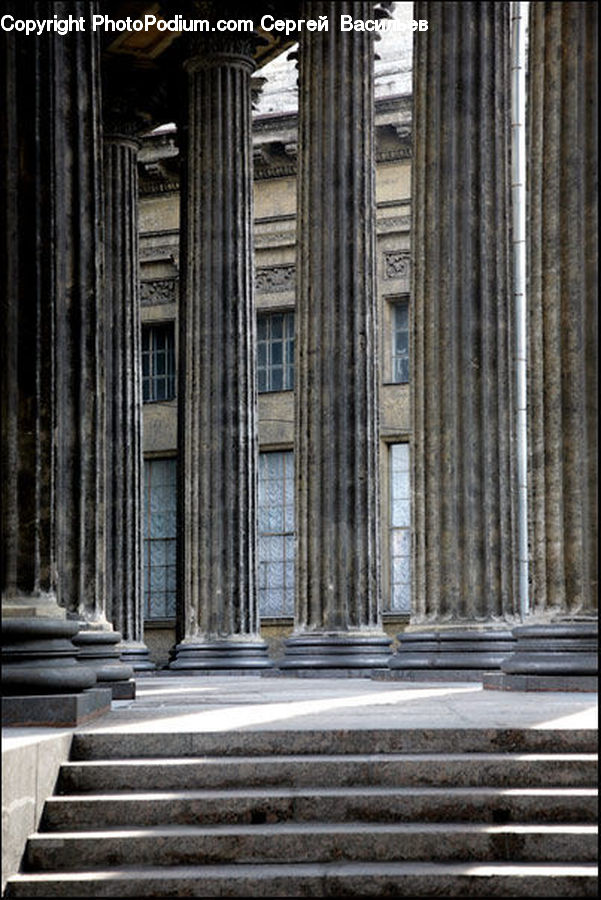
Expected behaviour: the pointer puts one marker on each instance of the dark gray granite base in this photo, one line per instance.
(560, 656)
(466, 650)
(429, 674)
(138, 658)
(189, 657)
(501, 681)
(209, 673)
(321, 652)
(122, 690)
(55, 710)
(324, 673)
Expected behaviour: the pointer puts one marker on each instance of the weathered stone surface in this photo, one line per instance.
(370, 804)
(324, 650)
(29, 212)
(462, 446)
(338, 879)
(79, 326)
(350, 804)
(356, 738)
(563, 300)
(452, 651)
(502, 681)
(559, 649)
(57, 710)
(124, 470)
(217, 431)
(300, 842)
(338, 591)
(98, 650)
(53, 536)
(39, 657)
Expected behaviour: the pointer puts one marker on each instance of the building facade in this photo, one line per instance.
(275, 146)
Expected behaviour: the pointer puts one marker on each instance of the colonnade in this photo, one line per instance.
(71, 445)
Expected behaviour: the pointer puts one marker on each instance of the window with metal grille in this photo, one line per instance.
(400, 342)
(400, 528)
(159, 538)
(275, 351)
(158, 362)
(276, 534)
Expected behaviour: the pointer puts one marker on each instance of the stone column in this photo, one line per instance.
(464, 596)
(79, 336)
(218, 623)
(38, 656)
(338, 622)
(559, 639)
(124, 462)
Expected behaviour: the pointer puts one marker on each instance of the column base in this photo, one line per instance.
(137, 655)
(449, 654)
(55, 710)
(561, 656)
(98, 651)
(431, 675)
(322, 651)
(39, 658)
(203, 656)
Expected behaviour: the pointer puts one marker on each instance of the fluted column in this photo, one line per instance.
(124, 468)
(338, 595)
(559, 636)
(218, 623)
(38, 656)
(462, 397)
(80, 375)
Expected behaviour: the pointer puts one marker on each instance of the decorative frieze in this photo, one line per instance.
(397, 264)
(153, 293)
(268, 280)
(272, 279)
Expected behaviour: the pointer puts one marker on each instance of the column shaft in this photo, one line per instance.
(28, 211)
(563, 154)
(558, 644)
(38, 656)
(462, 322)
(218, 621)
(338, 594)
(123, 396)
(79, 334)
(464, 550)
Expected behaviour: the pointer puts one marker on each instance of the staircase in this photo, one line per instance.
(446, 813)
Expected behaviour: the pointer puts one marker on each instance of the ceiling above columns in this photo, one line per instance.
(146, 65)
(147, 47)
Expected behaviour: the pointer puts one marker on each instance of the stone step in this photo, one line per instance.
(310, 842)
(108, 745)
(453, 769)
(336, 879)
(384, 804)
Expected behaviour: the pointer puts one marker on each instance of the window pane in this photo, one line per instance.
(276, 326)
(400, 342)
(158, 362)
(160, 500)
(275, 351)
(400, 528)
(276, 534)
(276, 378)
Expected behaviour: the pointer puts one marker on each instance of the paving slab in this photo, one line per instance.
(251, 703)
